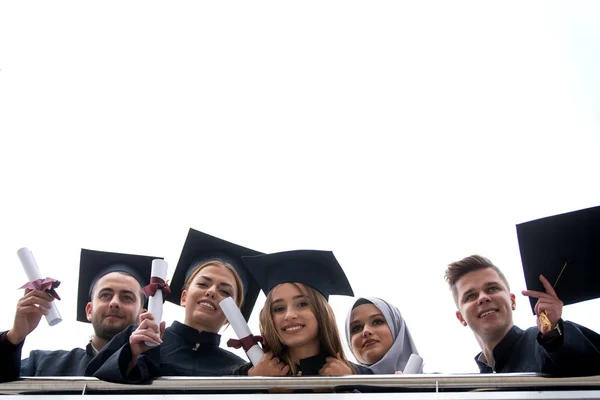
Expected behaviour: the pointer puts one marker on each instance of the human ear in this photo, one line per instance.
(460, 318)
(183, 298)
(88, 311)
(513, 301)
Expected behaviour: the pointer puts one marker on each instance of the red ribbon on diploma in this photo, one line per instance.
(247, 343)
(155, 284)
(47, 285)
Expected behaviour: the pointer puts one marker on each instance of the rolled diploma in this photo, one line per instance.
(155, 303)
(33, 273)
(237, 321)
(414, 365)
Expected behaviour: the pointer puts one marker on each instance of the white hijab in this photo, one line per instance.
(402, 347)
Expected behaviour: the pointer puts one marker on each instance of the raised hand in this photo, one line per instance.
(147, 331)
(335, 366)
(30, 309)
(549, 303)
(269, 365)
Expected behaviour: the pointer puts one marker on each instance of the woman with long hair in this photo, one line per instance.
(296, 321)
(378, 336)
(208, 272)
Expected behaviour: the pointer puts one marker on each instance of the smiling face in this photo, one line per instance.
(115, 304)
(485, 304)
(202, 295)
(370, 334)
(293, 317)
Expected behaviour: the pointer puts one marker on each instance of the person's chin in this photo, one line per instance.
(208, 320)
(296, 342)
(116, 326)
(206, 315)
(371, 357)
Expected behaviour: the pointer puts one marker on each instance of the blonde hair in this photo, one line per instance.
(329, 337)
(239, 298)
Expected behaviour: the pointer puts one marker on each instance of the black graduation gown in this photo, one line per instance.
(42, 362)
(308, 367)
(575, 353)
(184, 352)
(10, 359)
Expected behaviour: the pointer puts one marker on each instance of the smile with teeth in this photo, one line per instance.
(292, 328)
(483, 314)
(206, 304)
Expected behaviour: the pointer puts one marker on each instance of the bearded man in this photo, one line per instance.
(110, 297)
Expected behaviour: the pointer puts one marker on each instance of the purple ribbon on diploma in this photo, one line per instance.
(246, 343)
(46, 285)
(154, 285)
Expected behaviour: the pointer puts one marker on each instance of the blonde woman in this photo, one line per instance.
(210, 269)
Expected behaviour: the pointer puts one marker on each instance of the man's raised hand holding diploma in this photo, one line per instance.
(30, 310)
(145, 332)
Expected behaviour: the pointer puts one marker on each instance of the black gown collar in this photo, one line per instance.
(503, 350)
(90, 350)
(193, 337)
(312, 365)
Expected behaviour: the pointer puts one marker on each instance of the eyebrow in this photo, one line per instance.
(206, 278)
(293, 298)
(490, 283)
(368, 317)
(111, 290)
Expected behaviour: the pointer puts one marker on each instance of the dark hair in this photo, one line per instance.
(458, 269)
(140, 292)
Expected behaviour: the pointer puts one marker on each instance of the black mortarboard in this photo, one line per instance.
(317, 269)
(200, 248)
(547, 244)
(94, 265)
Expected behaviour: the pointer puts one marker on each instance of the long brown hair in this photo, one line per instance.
(329, 337)
(239, 298)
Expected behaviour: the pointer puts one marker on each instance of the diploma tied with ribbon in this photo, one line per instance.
(246, 339)
(156, 291)
(37, 281)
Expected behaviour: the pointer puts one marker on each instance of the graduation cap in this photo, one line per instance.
(94, 265)
(317, 269)
(200, 248)
(565, 246)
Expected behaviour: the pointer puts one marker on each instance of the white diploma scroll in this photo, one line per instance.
(33, 273)
(237, 321)
(414, 365)
(155, 303)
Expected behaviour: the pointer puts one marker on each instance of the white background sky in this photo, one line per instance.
(400, 135)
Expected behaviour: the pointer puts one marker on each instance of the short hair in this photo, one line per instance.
(140, 291)
(239, 298)
(458, 269)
